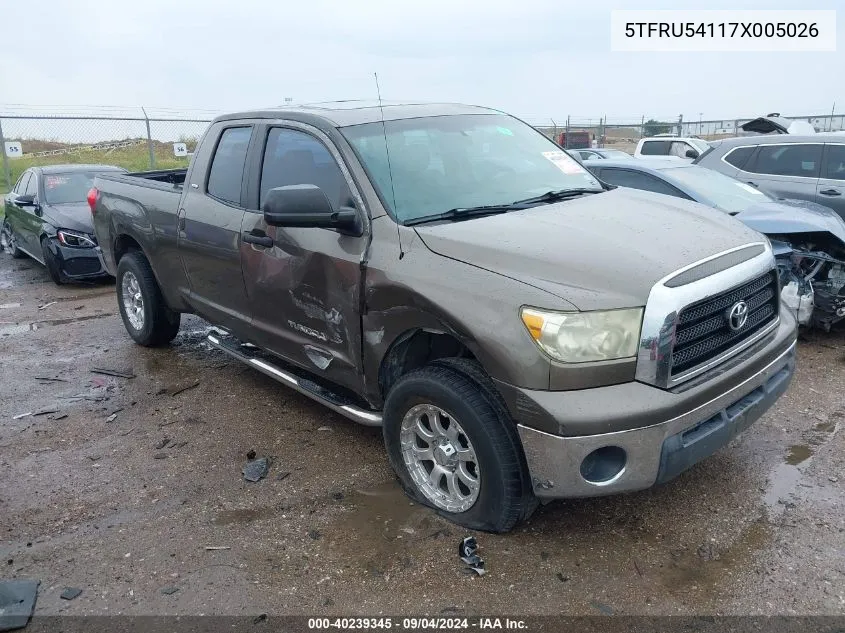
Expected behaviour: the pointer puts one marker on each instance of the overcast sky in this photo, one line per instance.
(537, 60)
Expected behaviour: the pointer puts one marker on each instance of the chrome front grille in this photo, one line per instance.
(703, 331)
(685, 329)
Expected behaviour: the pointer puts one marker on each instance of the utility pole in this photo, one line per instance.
(832, 110)
(700, 116)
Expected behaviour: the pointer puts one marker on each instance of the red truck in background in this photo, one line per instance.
(574, 139)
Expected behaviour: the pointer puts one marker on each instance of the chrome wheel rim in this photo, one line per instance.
(133, 302)
(440, 458)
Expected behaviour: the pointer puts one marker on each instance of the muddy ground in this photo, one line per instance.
(121, 490)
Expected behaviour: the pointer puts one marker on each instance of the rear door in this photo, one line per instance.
(785, 170)
(210, 227)
(304, 283)
(831, 186)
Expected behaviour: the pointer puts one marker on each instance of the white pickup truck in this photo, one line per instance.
(680, 147)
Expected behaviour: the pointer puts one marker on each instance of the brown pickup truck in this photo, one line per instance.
(521, 331)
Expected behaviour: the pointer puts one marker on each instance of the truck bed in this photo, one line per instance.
(170, 178)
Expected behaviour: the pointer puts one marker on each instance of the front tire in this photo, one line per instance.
(145, 315)
(9, 241)
(455, 449)
(52, 263)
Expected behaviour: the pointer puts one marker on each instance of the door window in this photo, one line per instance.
(679, 148)
(739, 156)
(292, 157)
(834, 166)
(32, 186)
(655, 148)
(227, 166)
(789, 160)
(20, 187)
(637, 180)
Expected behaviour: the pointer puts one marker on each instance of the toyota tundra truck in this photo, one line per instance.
(520, 330)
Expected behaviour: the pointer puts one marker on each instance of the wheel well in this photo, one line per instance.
(122, 245)
(415, 349)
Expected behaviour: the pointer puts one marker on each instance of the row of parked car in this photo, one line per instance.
(520, 327)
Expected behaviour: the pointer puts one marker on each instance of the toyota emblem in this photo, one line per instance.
(738, 315)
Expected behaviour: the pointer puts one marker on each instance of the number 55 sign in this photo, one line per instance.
(13, 149)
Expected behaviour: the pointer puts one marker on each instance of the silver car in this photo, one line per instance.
(785, 166)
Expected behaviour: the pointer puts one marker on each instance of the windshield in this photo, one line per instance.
(723, 191)
(68, 187)
(461, 161)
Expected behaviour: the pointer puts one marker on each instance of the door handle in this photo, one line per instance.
(752, 183)
(830, 192)
(258, 238)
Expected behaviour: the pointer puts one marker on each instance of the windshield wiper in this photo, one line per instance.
(554, 196)
(462, 212)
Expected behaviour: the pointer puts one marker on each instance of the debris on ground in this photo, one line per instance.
(468, 551)
(112, 372)
(164, 442)
(177, 390)
(47, 305)
(325, 428)
(282, 476)
(561, 577)
(256, 469)
(216, 548)
(259, 618)
(44, 411)
(160, 456)
(337, 496)
(111, 418)
(70, 593)
(61, 416)
(314, 534)
(250, 455)
(17, 602)
(22, 415)
(49, 379)
(169, 591)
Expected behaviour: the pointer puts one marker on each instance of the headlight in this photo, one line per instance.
(76, 240)
(580, 337)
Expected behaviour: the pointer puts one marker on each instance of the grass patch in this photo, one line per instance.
(133, 158)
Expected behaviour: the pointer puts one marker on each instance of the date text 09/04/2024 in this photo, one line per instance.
(415, 623)
(721, 29)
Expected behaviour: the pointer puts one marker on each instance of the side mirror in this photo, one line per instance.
(25, 201)
(308, 206)
(691, 153)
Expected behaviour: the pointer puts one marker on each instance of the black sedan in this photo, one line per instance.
(48, 218)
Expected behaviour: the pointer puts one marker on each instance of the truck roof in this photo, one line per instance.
(345, 113)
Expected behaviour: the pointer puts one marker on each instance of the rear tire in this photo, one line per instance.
(145, 314)
(438, 396)
(9, 241)
(51, 263)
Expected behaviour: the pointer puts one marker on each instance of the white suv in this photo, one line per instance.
(684, 148)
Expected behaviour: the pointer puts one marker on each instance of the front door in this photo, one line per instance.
(304, 283)
(210, 228)
(788, 170)
(831, 187)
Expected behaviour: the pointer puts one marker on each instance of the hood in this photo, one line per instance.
(598, 251)
(75, 216)
(793, 216)
(777, 125)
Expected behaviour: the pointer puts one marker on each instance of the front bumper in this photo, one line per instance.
(80, 263)
(657, 452)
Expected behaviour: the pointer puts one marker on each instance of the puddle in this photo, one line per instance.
(245, 515)
(782, 483)
(798, 453)
(7, 329)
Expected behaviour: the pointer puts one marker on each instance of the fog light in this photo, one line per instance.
(604, 465)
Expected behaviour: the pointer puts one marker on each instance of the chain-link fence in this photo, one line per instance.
(137, 144)
(581, 132)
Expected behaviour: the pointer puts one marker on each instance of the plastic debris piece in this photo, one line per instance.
(22, 415)
(17, 602)
(47, 305)
(216, 548)
(468, 552)
(70, 593)
(256, 469)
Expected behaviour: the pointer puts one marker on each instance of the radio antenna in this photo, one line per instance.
(389, 170)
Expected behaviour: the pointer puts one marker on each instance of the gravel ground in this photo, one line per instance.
(122, 490)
